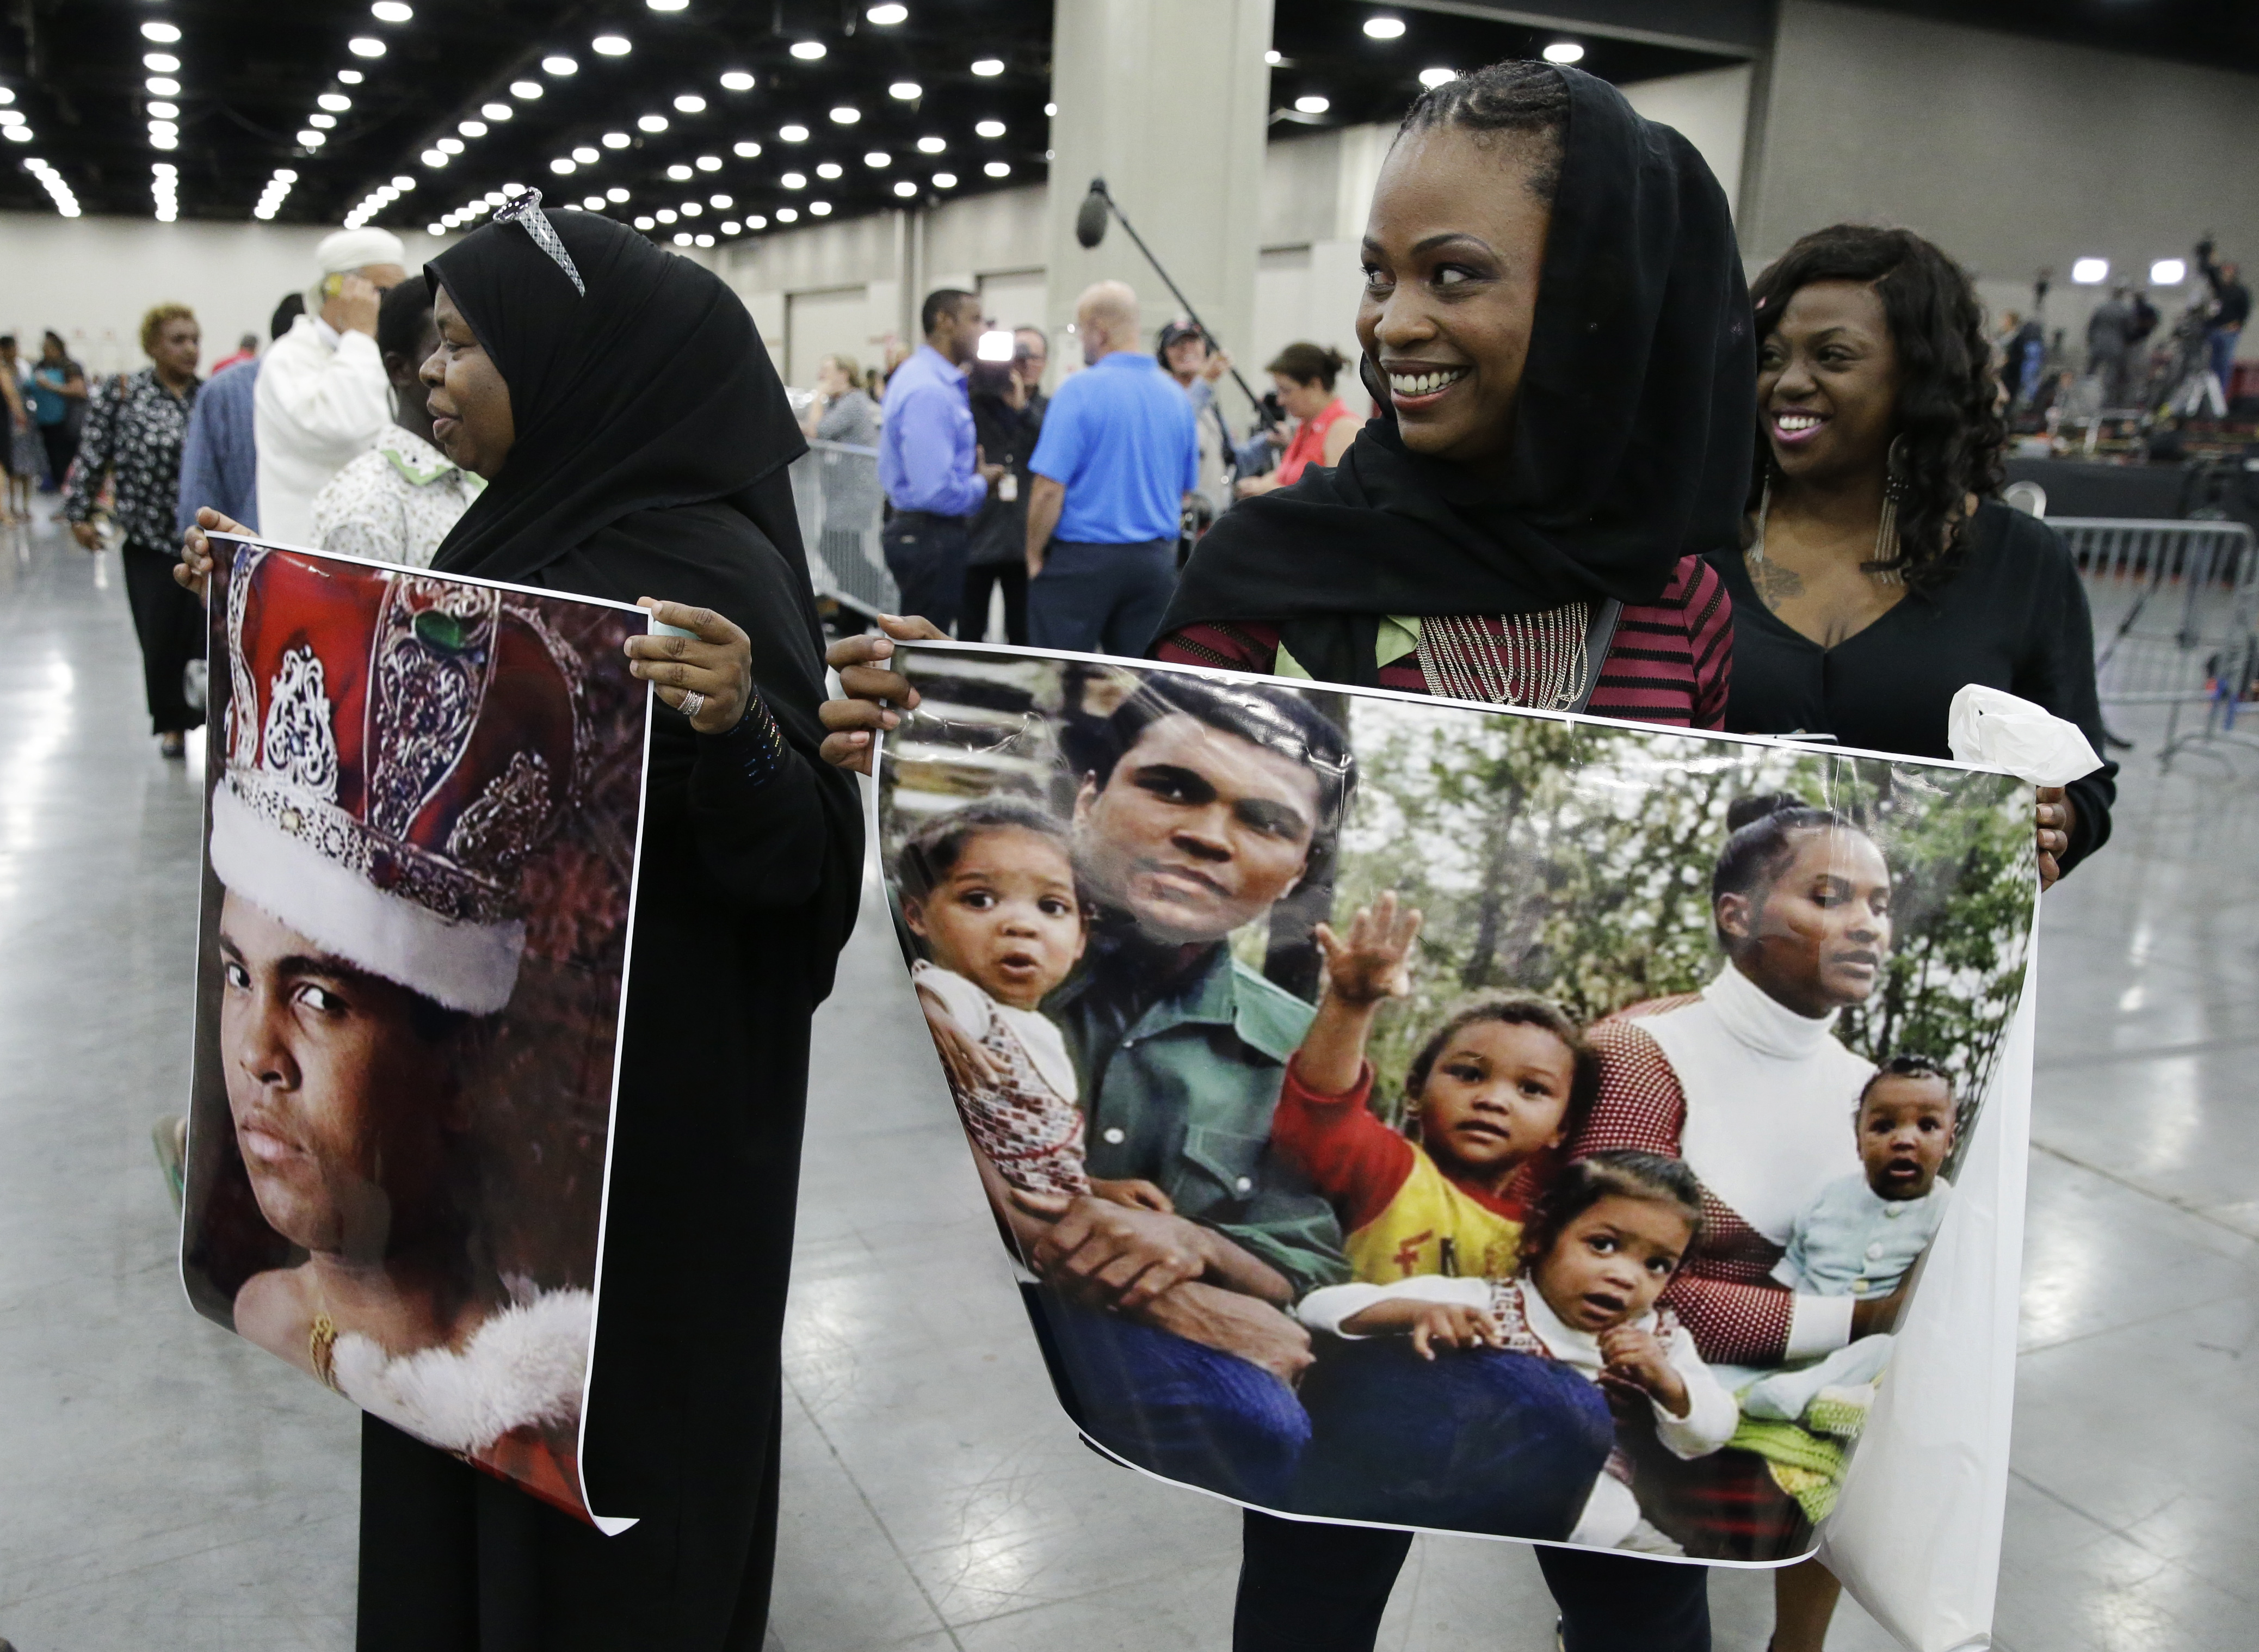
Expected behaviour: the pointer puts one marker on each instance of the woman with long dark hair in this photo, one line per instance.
(1557, 336)
(1878, 570)
(635, 440)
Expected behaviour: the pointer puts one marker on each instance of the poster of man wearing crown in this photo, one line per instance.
(424, 802)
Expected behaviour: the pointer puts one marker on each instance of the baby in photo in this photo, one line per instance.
(1863, 1234)
(989, 890)
(1596, 1255)
(1490, 1098)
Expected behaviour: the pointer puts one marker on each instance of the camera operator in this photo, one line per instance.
(2230, 301)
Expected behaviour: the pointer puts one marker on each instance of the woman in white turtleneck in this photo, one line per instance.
(1747, 1082)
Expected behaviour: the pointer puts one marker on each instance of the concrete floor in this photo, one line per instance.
(164, 1484)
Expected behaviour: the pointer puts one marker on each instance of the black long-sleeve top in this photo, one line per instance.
(2013, 617)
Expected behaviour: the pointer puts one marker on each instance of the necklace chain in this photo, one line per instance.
(1534, 661)
(1885, 569)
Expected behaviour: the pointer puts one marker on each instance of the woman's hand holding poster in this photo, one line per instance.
(425, 797)
(1413, 1114)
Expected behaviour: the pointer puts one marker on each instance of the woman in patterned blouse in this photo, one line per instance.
(134, 429)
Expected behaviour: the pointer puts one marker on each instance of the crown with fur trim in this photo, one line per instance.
(397, 746)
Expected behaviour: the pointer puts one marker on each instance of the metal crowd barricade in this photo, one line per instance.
(835, 487)
(2174, 606)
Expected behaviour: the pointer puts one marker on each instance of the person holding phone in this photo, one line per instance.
(324, 397)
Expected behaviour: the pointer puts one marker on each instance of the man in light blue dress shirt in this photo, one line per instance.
(934, 475)
(1118, 455)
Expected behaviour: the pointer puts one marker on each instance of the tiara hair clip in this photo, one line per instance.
(525, 209)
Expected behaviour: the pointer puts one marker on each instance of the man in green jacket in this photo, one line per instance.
(1168, 1328)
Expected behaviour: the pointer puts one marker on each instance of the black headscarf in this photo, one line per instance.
(1631, 438)
(652, 390)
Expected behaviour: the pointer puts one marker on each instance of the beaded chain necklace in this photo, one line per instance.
(1536, 660)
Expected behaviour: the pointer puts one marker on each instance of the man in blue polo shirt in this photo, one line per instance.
(1117, 456)
(934, 475)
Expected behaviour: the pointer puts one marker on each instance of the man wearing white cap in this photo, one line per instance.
(323, 396)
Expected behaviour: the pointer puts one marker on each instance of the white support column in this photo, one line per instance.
(1169, 101)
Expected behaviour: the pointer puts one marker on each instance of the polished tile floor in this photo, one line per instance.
(164, 1486)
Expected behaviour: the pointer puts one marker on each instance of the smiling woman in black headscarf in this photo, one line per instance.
(1556, 327)
(634, 438)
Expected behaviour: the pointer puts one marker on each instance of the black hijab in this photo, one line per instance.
(1631, 440)
(650, 390)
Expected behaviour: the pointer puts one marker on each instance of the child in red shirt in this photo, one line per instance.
(1491, 1097)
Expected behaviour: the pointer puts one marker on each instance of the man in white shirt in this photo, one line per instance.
(323, 397)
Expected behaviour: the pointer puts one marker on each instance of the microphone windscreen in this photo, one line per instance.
(1090, 219)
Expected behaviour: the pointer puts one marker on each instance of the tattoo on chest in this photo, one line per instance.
(1775, 584)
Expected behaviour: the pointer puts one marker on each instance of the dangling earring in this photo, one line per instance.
(1887, 567)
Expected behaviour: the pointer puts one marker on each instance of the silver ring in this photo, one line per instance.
(693, 702)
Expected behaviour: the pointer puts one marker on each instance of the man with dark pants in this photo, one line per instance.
(1118, 455)
(934, 473)
(2230, 301)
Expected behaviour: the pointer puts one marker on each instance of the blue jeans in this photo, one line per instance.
(1477, 1440)
(1102, 599)
(2223, 360)
(926, 555)
(1176, 1407)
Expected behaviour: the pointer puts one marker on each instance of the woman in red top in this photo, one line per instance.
(1556, 329)
(1304, 375)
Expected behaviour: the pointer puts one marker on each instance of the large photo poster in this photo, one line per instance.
(1411, 1112)
(424, 801)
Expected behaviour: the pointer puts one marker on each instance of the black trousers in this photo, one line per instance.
(170, 624)
(979, 580)
(926, 555)
(62, 443)
(1310, 1588)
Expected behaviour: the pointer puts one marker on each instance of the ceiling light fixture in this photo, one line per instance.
(793, 134)
(365, 45)
(163, 33)
(737, 80)
(651, 123)
(988, 65)
(692, 209)
(322, 123)
(449, 145)
(336, 102)
(724, 202)
(787, 214)
(877, 158)
(907, 90)
(391, 11)
(1311, 104)
(904, 188)
(930, 146)
(989, 128)
(615, 194)
(710, 163)
(560, 65)
(161, 63)
(1274, 58)
(563, 164)
(473, 129)
(1383, 27)
(433, 158)
(998, 168)
(2090, 272)
(678, 172)
(611, 46)
(163, 88)
(886, 16)
(690, 103)
(312, 139)
(162, 109)
(1434, 77)
(731, 226)
(525, 91)
(682, 238)
(665, 215)
(403, 181)
(745, 150)
(646, 224)
(496, 111)
(2167, 272)
(1564, 51)
(945, 181)
(828, 169)
(821, 209)
(807, 51)
(1049, 110)
(615, 141)
(667, 5)
(592, 203)
(794, 181)
(586, 155)
(755, 221)
(349, 77)
(846, 115)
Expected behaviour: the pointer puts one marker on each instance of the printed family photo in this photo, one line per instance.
(1410, 1114)
(424, 806)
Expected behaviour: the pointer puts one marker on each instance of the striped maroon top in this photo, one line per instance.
(1671, 660)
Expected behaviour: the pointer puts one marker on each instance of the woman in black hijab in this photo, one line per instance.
(635, 440)
(1556, 332)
